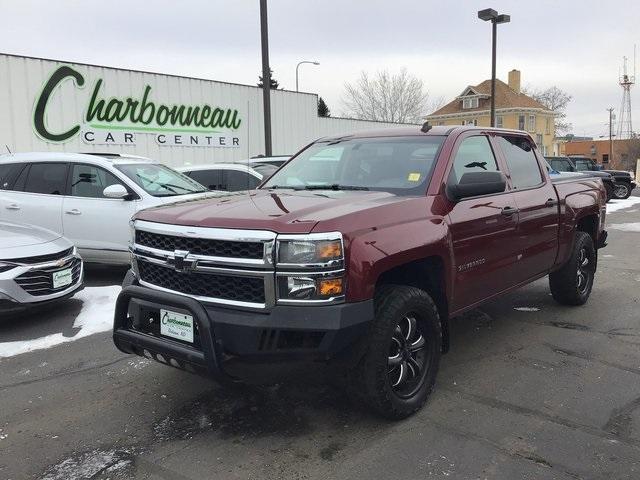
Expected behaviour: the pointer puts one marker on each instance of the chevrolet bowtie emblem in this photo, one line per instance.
(180, 262)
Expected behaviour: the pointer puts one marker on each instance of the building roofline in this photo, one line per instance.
(148, 72)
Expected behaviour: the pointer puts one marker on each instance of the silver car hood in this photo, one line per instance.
(15, 235)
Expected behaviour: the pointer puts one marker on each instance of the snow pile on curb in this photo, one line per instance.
(98, 304)
(615, 205)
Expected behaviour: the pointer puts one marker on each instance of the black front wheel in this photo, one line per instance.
(397, 368)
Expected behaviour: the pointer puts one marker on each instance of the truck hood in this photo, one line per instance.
(282, 211)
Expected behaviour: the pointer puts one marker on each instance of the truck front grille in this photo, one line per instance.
(40, 282)
(201, 246)
(224, 287)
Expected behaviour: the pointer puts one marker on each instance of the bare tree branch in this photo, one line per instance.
(556, 100)
(386, 97)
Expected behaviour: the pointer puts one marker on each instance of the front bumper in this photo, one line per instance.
(15, 295)
(222, 334)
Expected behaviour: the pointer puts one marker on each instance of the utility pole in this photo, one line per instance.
(266, 78)
(610, 110)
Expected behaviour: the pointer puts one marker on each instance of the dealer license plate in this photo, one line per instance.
(176, 325)
(62, 278)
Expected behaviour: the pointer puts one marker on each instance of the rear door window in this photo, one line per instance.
(521, 160)
(47, 178)
(8, 172)
(474, 155)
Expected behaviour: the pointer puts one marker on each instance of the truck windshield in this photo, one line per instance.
(584, 165)
(160, 181)
(561, 164)
(400, 165)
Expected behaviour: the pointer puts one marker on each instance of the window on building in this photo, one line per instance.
(499, 121)
(522, 161)
(547, 126)
(532, 123)
(470, 102)
(441, 123)
(605, 158)
(521, 122)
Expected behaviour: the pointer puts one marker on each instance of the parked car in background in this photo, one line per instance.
(229, 177)
(358, 251)
(36, 266)
(276, 161)
(566, 165)
(625, 182)
(87, 198)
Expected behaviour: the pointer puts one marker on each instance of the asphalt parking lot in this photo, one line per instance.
(530, 390)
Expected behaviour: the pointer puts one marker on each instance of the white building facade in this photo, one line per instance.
(50, 105)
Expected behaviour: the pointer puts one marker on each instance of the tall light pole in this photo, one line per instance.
(266, 77)
(610, 135)
(489, 14)
(298, 65)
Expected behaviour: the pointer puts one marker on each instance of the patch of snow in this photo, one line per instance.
(526, 309)
(607, 256)
(615, 205)
(89, 464)
(96, 316)
(626, 227)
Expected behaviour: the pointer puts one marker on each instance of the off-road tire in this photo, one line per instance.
(566, 284)
(368, 379)
(609, 190)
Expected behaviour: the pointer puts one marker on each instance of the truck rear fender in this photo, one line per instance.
(581, 212)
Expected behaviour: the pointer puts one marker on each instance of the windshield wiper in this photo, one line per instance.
(334, 186)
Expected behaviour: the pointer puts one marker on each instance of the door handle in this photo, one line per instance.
(75, 211)
(13, 206)
(551, 202)
(508, 211)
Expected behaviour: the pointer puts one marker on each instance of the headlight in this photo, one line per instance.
(313, 250)
(309, 268)
(5, 267)
(318, 287)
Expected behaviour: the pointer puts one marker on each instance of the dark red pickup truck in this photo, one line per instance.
(358, 251)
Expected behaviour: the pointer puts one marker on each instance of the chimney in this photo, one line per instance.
(514, 80)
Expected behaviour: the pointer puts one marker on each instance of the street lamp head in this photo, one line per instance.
(316, 63)
(503, 19)
(487, 14)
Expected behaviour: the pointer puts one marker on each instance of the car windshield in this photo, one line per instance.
(400, 165)
(159, 180)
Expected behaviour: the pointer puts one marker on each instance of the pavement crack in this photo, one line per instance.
(591, 358)
(64, 374)
(510, 407)
(619, 423)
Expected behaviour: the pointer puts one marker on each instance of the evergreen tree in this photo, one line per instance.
(323, 110)
(273, 82)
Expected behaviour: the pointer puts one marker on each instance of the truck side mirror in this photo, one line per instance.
(116, 191)
(473, 184)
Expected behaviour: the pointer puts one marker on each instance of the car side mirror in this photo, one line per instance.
(116, 191)
(473, 184)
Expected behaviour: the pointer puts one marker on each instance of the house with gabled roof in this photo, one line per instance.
(514, 109)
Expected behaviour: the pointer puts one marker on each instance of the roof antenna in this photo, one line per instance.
(8, 149)
(425, 127)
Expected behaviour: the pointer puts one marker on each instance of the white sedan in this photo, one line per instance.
(88, 198)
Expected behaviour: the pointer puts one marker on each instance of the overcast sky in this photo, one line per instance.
(576, 45)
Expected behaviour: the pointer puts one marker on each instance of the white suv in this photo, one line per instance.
(88, 198)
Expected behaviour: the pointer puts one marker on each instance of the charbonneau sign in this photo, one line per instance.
(117, 121)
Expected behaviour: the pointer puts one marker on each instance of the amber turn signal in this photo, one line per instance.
(330, 287)
(329, 250)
